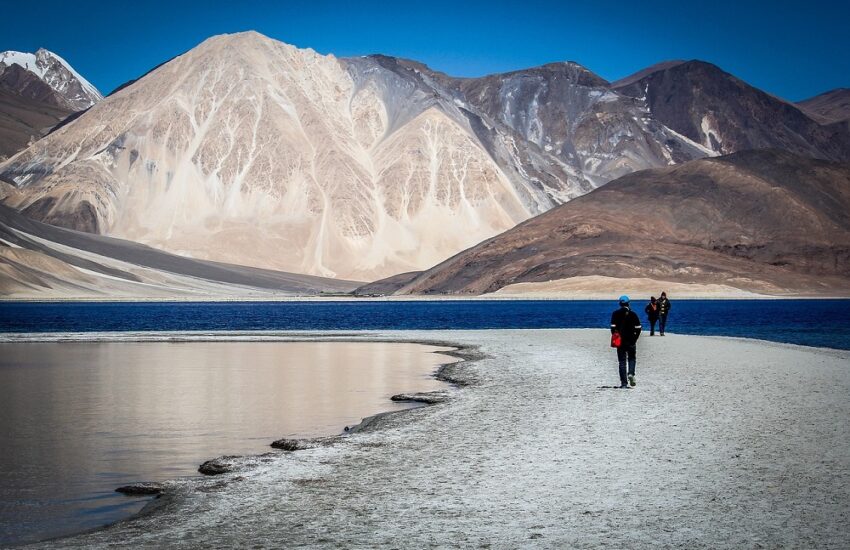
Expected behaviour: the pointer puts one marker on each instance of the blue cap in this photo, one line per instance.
(624, 299)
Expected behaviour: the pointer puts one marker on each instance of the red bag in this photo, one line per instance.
(616, 340)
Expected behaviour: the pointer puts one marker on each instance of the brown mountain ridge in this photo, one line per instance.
(764, 221)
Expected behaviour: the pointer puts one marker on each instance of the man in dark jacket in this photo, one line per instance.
(627, 324)
(663, 311)
(651, 310)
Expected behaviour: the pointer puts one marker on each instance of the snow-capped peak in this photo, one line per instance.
(57, 73)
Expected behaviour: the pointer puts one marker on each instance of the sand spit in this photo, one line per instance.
(724, 443)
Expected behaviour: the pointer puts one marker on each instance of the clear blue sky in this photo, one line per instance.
(791, 49)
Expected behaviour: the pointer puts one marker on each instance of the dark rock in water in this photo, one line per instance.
(141, 489)
(288, 444)
(217, 466)
(430, 398)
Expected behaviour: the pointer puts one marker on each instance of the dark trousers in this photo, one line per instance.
(623, 352)
(652, 325)
(663, 323)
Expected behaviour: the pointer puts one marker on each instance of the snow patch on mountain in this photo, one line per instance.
(57, 73)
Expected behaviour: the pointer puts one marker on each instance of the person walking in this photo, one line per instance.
(663, 311)
(626, 323)
(651, 310)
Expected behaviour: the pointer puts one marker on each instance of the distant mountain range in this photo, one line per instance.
(249, 151)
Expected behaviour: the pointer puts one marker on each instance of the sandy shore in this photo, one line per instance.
(724, 443)
(603, 288)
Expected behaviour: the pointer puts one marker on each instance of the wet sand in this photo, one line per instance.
(724, 443)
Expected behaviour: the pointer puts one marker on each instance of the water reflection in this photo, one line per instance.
(79, 419)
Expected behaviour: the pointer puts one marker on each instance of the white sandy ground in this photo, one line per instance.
(724, 443)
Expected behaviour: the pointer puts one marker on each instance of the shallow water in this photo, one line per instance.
(78, 420)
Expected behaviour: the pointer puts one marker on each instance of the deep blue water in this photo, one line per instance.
(823, 323)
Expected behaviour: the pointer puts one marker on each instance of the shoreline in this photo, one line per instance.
(383, 425)
(406, 298)
(445, 372)
(366, 335)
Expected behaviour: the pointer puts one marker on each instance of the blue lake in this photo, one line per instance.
(820, 323)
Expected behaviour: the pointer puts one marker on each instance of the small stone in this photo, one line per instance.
(215, 467)
(287, 445)
(429, 398)
(141, 489)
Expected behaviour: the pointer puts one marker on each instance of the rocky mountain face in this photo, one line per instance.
(763, 221)
(829, 107)
(70, 90)
(250, 151)
(24, 117)
(725, 114)
(37, 92)
(571, 113)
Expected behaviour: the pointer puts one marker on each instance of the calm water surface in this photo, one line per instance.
(78, 420)
(807, 322)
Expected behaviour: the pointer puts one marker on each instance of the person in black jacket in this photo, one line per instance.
(651, 310)
(663, 311)
(627, 323)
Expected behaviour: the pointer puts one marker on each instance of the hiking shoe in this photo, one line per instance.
(631, 380)
(624, 387)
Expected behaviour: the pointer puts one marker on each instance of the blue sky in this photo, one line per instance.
(791, 49)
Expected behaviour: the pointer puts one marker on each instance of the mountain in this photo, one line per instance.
(765, 221)
(564, 114)
(70, 90)
(43, 261)
(37, 92)
(24, 119)
(726, 115)
(250, 151)
(643, 73)
(828, 107)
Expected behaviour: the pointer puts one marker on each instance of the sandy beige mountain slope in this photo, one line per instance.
(251, 151)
